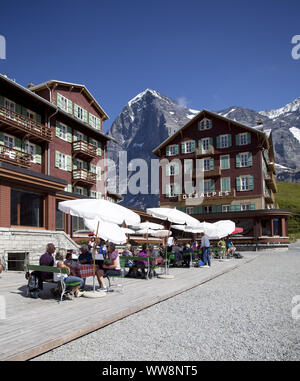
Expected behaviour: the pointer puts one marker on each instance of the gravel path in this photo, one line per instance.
(245, 314)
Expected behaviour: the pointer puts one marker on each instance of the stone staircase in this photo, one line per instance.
(32, 242)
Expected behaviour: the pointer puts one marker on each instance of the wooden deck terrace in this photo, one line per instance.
(34, 326)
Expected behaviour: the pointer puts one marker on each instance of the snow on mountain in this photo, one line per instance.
(289, 108)
(296, 132)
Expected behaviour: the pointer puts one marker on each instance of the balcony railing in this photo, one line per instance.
(271, 181)
(206, 174)
(13, 156)
(205, 152)
(24, 124)
(84, 177)
(82, 148)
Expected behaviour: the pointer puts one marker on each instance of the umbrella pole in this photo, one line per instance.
(166, 264)
(94, 257)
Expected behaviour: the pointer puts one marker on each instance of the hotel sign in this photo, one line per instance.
(202, 195)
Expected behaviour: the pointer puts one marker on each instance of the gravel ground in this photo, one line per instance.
(245, 314)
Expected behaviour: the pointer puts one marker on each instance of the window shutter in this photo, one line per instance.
(76, 110)
(193, 146)
(57, 130)
(99, 194)
(167, 151)
(177, 188)
(75, 164)
(68, 188)
(99, 175)
(38, 155)
(1, 138)
(200, 146)
(84, 112)
(18, 144)
(238, 183)
(98, 124)
(225, 162)
(18, 108)
(238, 161)
(249, 137)
(237, 139)
(69, 163)
(212, 185)
(252, 206)
(85, 192)
(99, 149)
(90, 119)
(58, 100)
(182, 147)
(214, 209)
(211, 163)
(250, 161)
(85, 165)
(176, 149)
(70, 108)
(57, 159)
(75, 138)
(168, 190)
(1, 100)
(229, 140)
(251, 184)
(69, 134)
(218, 142)
(211, 142)
(93, 168)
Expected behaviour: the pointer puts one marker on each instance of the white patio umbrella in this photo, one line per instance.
(173, 216)
(161, 233)
(148, 225)
(127, 231)
(102, 210)
(225, 227)
(107, 231)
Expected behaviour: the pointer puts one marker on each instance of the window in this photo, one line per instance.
(205, 124)
(30, 114)
(188, 147)
(31, 149)
(93, 194)
(245, 207)
(62, 161)
(78, 224)
(207, 185)
(225, 162)
(59, 219)
(206, 164)
(244, 160)
(79, 190)
(79, 113)
(243, 139)
(207, 209)
(205, 145)
(11, 106)
(190, 210)
(244, 183)
(26, 208)
(172, 150)
(224, 141)
(79, 164)
(62, 131)
(172, 170)
(225, 184)
(79, 136)
(9, 141)
(225, 208)
(172, 190)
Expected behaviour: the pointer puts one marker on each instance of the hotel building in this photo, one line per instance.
(237, 169)
(52, 148)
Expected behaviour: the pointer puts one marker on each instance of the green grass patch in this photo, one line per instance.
(288, 197)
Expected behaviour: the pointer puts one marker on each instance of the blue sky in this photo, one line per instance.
(208, 54)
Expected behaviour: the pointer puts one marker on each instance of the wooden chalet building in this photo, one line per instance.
(52, 148)
(237, 168)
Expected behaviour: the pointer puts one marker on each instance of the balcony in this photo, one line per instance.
(17, 123)
(82, 177)
(84, 150)
(207, 174)
(200, 152)
(270, 181)
(13, 156)
(269, 196)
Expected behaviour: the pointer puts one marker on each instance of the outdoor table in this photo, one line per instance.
(88, 270)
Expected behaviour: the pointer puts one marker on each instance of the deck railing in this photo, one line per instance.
(14, 156)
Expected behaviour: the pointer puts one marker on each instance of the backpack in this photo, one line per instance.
(33, 286)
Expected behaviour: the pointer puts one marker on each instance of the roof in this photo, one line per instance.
(205, 112)
(53, 106)
(89, 95)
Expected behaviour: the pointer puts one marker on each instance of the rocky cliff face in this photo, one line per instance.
(150, 117)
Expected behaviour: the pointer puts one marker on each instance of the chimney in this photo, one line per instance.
(30, 85)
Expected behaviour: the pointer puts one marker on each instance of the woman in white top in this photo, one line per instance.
(59, 258)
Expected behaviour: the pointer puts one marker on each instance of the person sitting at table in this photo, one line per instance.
(73, 265)
(127, 252)
(111, 268)
(176, 250)
(137, 270)
(222, 246)
(101, 255)
(85, 258)
(186, 255)
(59, 262)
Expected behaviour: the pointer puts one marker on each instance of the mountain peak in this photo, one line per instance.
(142, 94)
(290, 107)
